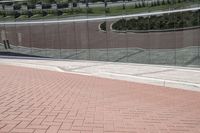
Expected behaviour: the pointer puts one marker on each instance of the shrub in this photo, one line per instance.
(32, 6)
(124, 7)
(22, 17)
(38, 11)
(136, 6)
(50, 11)
(78, 10)
(17, 7)
(89, 10)
(140, 5)
(143, 4)
(120, 25)
(103, 26)
(158, 2)
(65, 10)
(46, 6)
(36, 16)
(44, 13)
(107, 10)
(2, 13)
(9, 13)
(59, 12)
(166, 21)
(163, 2)
(71, 11)
(74, 4)
(30, 14)
(16, 14)
(62, 5)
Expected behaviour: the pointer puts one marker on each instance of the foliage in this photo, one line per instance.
(89, 10)
(107, 10)
(31, 6)
(17, 7)
(74, 4)
(166, 21)
(46, 6)
(62, 5)
(103, 26)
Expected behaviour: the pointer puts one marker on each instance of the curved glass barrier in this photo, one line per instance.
(146, 32)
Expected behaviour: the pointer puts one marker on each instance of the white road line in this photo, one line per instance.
(100, 18)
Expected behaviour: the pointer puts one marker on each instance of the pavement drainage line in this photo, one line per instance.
(154, 72)
(44, 67)
(36, 66)
(155, 79)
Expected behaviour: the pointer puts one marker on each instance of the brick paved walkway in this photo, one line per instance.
(41, 101)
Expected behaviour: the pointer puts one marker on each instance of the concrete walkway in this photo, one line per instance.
(41, 101)
(169, 76)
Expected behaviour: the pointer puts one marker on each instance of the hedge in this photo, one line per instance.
(166, 21)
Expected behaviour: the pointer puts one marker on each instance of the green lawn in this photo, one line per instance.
(98, 11)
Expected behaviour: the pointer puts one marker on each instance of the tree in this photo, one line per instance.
(158, 2)
(163, 2)
(143, 4)
(136, 5)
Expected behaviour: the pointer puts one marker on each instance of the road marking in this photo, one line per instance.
(19, 36)
(3, 35)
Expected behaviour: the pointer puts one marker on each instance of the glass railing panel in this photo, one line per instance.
(67, 41)
(117, 40)
(187, 39)
(86, 31)
(163, 38)
(23, 39)
(11, 39)
(98, 41)
(68, 32)
(52, 39)
(22, 32)
(98, 33)
(138, 40)
(81, 36)
(37, 41)
(198, 38)
(81, 31)
(2, 39)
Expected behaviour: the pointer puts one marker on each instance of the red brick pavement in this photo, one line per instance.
(39, 101)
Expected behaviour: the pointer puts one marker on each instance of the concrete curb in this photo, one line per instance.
(100, 72)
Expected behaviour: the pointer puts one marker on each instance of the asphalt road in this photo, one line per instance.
(83, 35)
